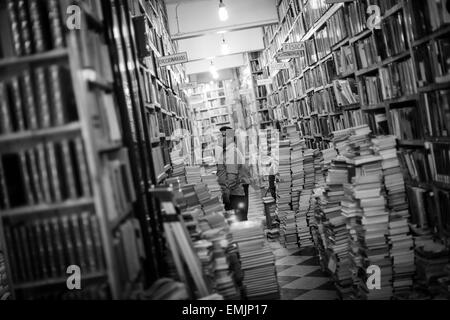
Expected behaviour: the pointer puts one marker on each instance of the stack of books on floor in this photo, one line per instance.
(202, 192)
(257, 261)
(302, 221)
(298, 174)
(211, 181)
(193, 175)
(215, 229)
(400, 238)
(284, 185)
(308, 166)
(213, 205)
(204, 250)
(365, 192)
(336, 224)
(289, 231)
(178, 166)
(318, 175)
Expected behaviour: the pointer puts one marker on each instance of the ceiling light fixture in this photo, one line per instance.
(223, 12)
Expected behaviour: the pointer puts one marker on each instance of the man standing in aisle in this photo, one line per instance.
(230, 173)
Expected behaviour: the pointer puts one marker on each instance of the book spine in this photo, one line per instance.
(88, 242)
(29, 100)
(43, 173)
(35, 176)
(15, 27)
(5, 120)
(53, 169)
(68, 168)
(37, 25)
(4, 196)
(11, 244)
(33, 253)
(60, 260)
(26, 178)
(56, 95)
(82, 166)
(42, 257)
(17, 100)
(97, 242)
(43, 102)
(68, 242)
(25, 30)
(56, 25)
(79, 249)
(28, 264)
(51, 254)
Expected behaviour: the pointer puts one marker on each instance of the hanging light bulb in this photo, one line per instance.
(225, 48)
(223, 12)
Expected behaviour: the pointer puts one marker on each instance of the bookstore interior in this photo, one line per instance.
(115, 121)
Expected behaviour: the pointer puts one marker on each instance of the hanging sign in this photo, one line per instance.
(274, 67)
(264, 82)
(187, 86)
(293, 46)
(287, 55)
(173, 59)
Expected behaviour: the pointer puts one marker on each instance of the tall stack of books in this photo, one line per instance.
(365, 193)
(335, 225)
(302, 221)
(257, 261)
(318, 175)
(401, 241)
(289, 231)
(308, 165)
(193, 175)
(297, 169)
(284, 183)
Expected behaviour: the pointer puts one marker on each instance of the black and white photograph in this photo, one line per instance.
(248, 151)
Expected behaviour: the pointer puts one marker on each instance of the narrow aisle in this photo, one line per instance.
(299, 274)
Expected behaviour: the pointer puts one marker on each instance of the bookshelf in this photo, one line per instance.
(77, 156)
(395, 79)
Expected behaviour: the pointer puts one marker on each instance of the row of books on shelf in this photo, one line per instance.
(413, 123)
(286, 5)
(30, 27)
(428, 16)
(428, 165)
(36, 99)
(46, 173)
(433, 65)
(40, 249)
(394, 81)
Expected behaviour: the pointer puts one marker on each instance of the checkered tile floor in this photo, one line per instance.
(299, 275)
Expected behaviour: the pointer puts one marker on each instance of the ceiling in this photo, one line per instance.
(195, 25)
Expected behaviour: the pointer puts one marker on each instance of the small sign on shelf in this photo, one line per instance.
(173, 59)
